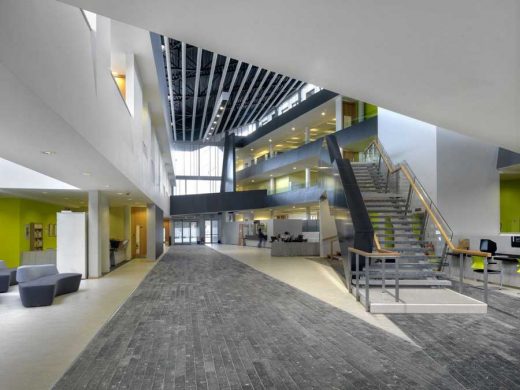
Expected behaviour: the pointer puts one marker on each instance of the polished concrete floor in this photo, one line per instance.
(202, 320)
(37, 345)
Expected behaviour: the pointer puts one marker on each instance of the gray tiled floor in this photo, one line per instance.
(203, 320)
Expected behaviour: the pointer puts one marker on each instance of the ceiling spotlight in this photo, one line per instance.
(48, 152)
(251, 149)
(214, 122)
(294, 128)
(163, 48)
(218, 115)
(270, 175)
(294, 168)
(44, 192)
(119, 193)
(221, 108)
(270, 140)
(323, 113)
(253, 180)
(294, 207)
(87, 174)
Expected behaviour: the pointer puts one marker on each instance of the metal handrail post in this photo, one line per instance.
(485, 280)
(461, 271)
(383, 285)
(397, 279)
(367, 283)
(357, 277)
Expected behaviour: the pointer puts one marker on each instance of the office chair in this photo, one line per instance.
(477, 265)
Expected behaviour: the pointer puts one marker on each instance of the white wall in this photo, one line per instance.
(48, 46)
(468, 184)
(458, 172)
(409, 139)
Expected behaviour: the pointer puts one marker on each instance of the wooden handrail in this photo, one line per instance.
(378, 255)
(392, 169)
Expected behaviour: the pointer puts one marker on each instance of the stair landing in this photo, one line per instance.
(422, 300)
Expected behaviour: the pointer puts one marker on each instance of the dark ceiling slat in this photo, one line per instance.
(196, 78)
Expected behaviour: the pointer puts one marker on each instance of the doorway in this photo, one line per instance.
(211, 231)
(138, 226)
(185, 232)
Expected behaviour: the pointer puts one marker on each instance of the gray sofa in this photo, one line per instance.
(39, 284)
(7, 277)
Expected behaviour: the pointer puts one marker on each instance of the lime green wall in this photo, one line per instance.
(370, 110)
(117, 223)
(10, 231)
(510, 206)
(15, 214)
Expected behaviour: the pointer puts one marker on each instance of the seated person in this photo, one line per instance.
(286, 237)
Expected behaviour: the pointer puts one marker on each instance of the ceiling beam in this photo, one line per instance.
(244, 120)
(183, 89)
(246, 75)
(208, 91)
(254, 115)
(196, 92)
(231, 86)
(170, 86)
(245, 97)
(217, 103)
(277, 91)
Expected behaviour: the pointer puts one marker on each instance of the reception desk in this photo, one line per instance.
(288, 249)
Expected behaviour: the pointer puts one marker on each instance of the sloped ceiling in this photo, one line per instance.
(455, 64)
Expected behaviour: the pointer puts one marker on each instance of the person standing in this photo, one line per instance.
(260, 238)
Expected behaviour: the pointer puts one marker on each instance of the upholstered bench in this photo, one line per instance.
(39, 284)
(7, 277)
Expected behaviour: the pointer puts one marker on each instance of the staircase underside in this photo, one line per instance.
(422, 300)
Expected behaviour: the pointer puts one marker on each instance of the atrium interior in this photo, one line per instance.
(261, 195)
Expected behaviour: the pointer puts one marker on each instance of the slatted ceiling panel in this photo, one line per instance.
(198, 78)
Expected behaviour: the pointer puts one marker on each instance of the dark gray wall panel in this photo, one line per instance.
(305, 106)
(507, 158)
(227, 181)
(350, 135)
(212, 203)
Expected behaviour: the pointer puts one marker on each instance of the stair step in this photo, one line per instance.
(410, 234)
(415, 242)
(390, 266)
(407, 282)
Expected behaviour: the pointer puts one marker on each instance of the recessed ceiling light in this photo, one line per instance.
(218, 115)
(293, 167)
(253, 180)
(323, 113)
(270, 140)
(334, 119)
(48, 152)
(294, 207)
(215, 122)
(129, 198)
(44, 192)
(119, 193)
(221, 107)
(107, 186)
(251, 149)
(86, 174)
(271, 175)
(66, 198)
(293, 129)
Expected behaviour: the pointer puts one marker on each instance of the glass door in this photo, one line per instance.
(177, 231)
(207, 231)
(214, 231)
(185, 232)
(194, 232)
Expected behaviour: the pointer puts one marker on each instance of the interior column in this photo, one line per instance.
(98, 234)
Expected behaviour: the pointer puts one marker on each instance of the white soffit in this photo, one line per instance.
(13, 175)
(455, 64)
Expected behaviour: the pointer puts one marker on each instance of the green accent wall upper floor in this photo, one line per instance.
(510, 206)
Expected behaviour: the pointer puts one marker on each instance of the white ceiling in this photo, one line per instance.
(455, 64)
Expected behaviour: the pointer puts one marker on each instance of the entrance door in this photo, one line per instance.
(211, 231)
(138, 230)
(207, 231)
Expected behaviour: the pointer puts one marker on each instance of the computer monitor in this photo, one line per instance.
(488, 246)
